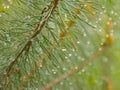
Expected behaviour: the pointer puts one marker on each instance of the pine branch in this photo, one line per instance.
(38, 29)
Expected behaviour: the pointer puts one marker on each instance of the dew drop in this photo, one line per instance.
(84, 34)
(110, 18)
(28, 17)
(90, 63)
(68, 60)
(7, 6)
(100, 49)
(104, 11)
(85, 5)
(105, 59)
(5, 44)
(83, 70)
(73, 50)
(100, 19)
(78, 42)
(86, 20)
(47, 73)
(119, 17)
(9, 0)
(66, 57)
(61, 83)
(54, 72)
(103, 7)
(88, 42)
(115, 23)
(107, 35)
(96, 22)
(115, 14)
(75, 54)
(76, 67)
(70, 55)
(82, 59)
(101, 13)
(64, 50)
(100, 30)
(70, 83)
(79, 57)
(58, 66)
(40, 65)
(64, 69)
(112, 12)
(79, 73)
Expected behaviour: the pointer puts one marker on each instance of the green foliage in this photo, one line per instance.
(59, 45)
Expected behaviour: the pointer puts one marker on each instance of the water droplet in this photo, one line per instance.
(28, 17)
(90, 63)
(88, 42)
(119, 17)
(66, 57)
(101, 13)
(112, 12)
(84, 34)
(73, 50)
(111, 34)
(47, 73)
(115, 14)
(100, 49)
(96, 22)
(5, 44)
(103, 7)
(40, 65)
(100, 19)
(86, 20)
(61, 83)
(78, 42)
(64, 69)
(75, 54)
(70, 83)
(69, 54)
(54, 72)
(104, 11)
(85, 5)
(9, 0)
(107, 35)
(115, 23)
(83, 70)
(76, 67)
(100, 30)
(105, 59)
(79, 73)
(64, 50)
(68, 60)
(110, 18)
(79, 57)
(82, 59)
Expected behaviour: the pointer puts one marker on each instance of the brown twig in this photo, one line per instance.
(38, 29)
(74, 70)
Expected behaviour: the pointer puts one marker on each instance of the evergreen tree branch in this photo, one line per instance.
(75, 69)
(52, 6)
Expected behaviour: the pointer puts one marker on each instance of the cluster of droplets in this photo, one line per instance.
(6, 6)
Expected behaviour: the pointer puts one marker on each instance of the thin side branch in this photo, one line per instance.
(74, 70)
